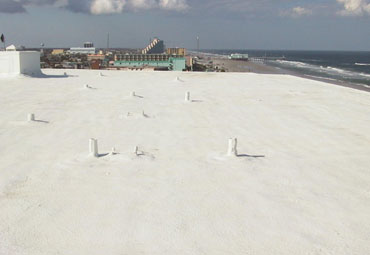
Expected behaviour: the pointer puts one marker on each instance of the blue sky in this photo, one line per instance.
(220, 24)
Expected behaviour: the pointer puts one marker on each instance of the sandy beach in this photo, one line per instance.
(263, 68)
(245, 66)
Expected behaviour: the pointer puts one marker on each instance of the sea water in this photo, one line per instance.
(345, 66)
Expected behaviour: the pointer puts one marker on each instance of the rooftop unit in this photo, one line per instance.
(14, 62)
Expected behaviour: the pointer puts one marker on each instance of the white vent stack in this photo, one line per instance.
(93, 147)
(136, 150)
(133, 94)
(31, 117)
(232, 150)
(187, 97)
(113, 151)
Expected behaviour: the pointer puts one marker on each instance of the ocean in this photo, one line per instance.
(350, 67)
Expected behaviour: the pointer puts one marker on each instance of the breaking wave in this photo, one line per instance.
(362, 64)
(330, 71)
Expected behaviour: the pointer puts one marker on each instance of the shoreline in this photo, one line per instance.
(238, 66)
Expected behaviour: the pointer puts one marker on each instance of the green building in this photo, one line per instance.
(160, 61)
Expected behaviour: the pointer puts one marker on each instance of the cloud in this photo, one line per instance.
(223, 8)
(297, 12)
(142, 4)
(238, 5)
(95, 7)
(107, 6)
(300, 11)
(10, 6)
(260, 9)
(354, 7)
(118, 6)
(18, 6)
(177, 5)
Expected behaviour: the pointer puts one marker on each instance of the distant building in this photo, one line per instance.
(95, 56)
(238, 56)
(11, 48)
(82, 50)
(57, 52)
(96, 64)
(176, 51)
(15, 48)
(157, 61)
(97, 61)
(88, 45)
(155, 47)
(142, 57)
(189, 62)
(87, 49)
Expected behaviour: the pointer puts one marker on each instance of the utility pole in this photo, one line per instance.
(42, 48)
(198, 43)
(108, 42)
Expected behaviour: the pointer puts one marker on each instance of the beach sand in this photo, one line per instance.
(245, 66)
(262, 68)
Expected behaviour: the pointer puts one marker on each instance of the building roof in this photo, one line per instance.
(11, 48)
(300, 183)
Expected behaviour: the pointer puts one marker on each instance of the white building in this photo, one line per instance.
(11, 48)
(87, 49)
(14, 62)
(80, 50)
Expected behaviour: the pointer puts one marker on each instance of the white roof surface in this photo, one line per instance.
(309, 194)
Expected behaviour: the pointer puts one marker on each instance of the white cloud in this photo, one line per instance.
(178, 5)
(142, 4)
(354, 7)
(95, 7)
(300, 11)
(117, 6)
(107, 6)
(297, 12)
